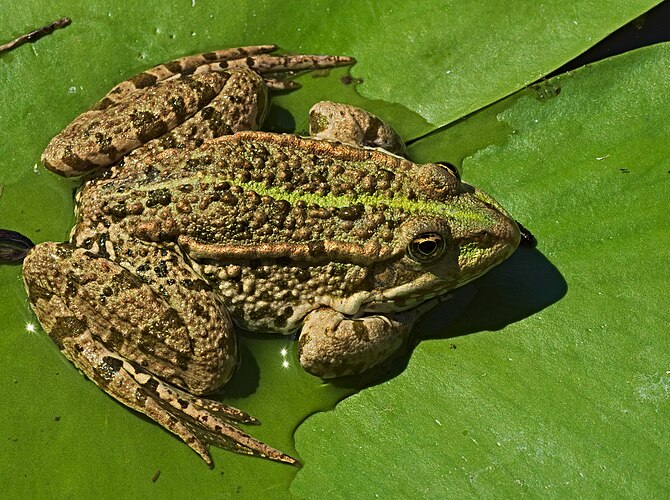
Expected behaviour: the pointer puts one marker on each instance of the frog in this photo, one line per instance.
(192, 223)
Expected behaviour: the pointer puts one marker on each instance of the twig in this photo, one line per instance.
(35, 35)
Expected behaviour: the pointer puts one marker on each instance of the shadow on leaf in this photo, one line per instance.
(522, 286)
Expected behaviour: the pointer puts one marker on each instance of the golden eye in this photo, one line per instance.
(426, 247)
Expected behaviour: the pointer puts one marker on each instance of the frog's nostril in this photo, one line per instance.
(484, 238)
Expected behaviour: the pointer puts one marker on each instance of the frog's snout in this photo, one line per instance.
(503, 230)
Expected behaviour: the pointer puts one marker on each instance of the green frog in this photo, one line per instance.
(191, 221)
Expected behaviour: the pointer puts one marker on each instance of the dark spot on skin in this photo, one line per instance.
(182, 360)
(161, 270)
(143, 268)
(183, 403)
(151, 385)
(114, 339)
(169, 141)
(352, 212)
(173, 67)
(105, 145)
(74, 161)
(158, 197)
(147, 125)
(104, 103)
(250, 62)
(179, 108)
(67, 326)
(117, 211)
(196, 285)
(223, 64)
(214, 118)
(102, 247)
(141, 396)
(143, 80)
(151, 173)
(205, 93)
(37, 292)
(109, 367)
(125, 281)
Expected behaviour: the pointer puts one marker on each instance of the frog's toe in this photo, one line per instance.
(199, 422)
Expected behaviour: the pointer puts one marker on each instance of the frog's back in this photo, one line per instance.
(262, 188)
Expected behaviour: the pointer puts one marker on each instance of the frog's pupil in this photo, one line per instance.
(427, 247)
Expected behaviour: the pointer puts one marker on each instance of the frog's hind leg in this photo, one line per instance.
(255, 57)
(177, 67)
(151, 104)
(85, 303)
(243, 101)
(240, 105)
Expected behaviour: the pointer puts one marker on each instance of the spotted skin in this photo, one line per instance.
(149, 105)
(190, 219)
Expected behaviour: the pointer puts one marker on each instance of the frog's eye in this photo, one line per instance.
(451, 167)
(426, 247)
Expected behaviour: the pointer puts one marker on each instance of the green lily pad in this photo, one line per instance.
(64, 436)
(555, 379)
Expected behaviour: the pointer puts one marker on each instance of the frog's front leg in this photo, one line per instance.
(132, 335)
(333, 121)
(334, 345)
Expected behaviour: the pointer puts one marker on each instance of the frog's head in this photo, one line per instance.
(456, 233)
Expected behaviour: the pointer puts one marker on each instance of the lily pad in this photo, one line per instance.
(554, 395)
(63, 435)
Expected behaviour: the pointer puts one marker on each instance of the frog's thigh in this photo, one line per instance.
(184, 336)
(332, 345)
(240, 105)
(102, 136)
(65, 286)
(351, 125)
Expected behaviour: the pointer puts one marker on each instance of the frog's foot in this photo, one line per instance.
(198, 422)
(351, 125)
(332, 345)
(115, 328)
(256, 57)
